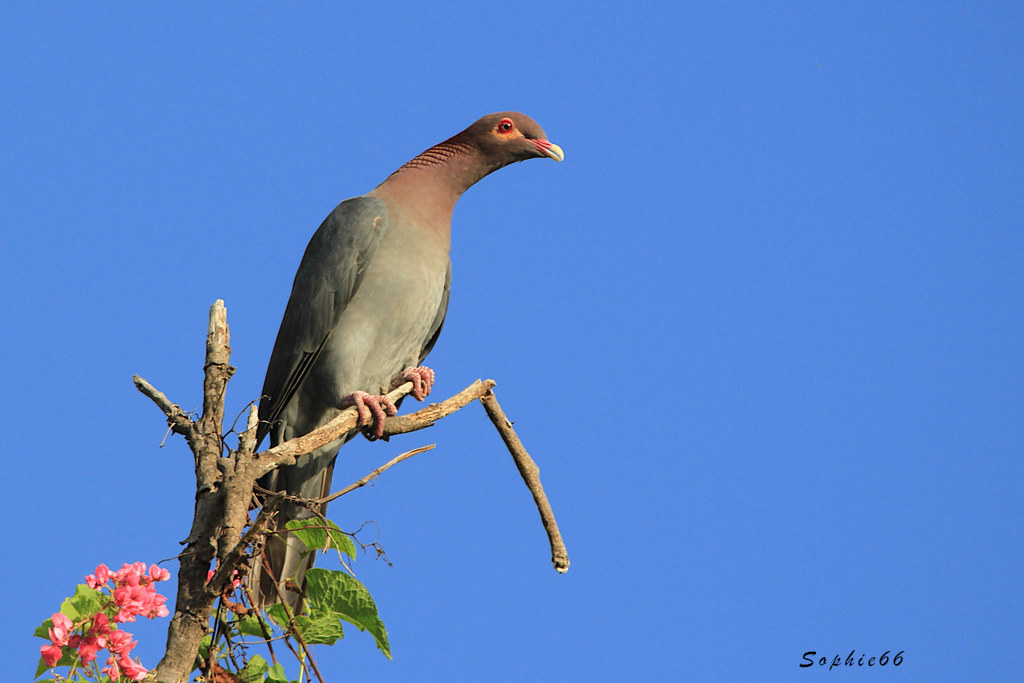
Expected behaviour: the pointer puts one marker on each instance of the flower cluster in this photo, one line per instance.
(133, 594)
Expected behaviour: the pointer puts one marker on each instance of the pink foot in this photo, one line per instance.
(422, 379)
(372, 410)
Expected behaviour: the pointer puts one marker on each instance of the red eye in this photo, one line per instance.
(505, 126)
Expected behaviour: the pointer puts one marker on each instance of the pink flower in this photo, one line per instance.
(130, 574)
(123, 599)
(120, 642)
(111, 669)
(51, 654)
(132, 669)
(158, 573)
(133, 593)
(156, 607)
(99, 630)
(88, 648)
(100, 625)
(157, 610)
(100, 578)
(61, 628)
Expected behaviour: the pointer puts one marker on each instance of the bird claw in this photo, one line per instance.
(422, 379)
(373, 410)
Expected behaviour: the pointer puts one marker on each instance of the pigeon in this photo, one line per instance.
(366, 307)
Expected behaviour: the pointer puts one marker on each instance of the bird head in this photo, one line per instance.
(509, 136)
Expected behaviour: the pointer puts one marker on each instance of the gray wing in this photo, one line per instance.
(442, 310)
(331, 271)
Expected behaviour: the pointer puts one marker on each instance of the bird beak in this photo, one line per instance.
(549, 149)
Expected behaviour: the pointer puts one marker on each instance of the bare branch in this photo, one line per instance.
(293, 627)
(225, 484)
(247, 439)
(221, 508)
(286, 453)
(372, 475)
(233, 555)
(177, 419)
(426, 417)
(217, 372)
(531, 475)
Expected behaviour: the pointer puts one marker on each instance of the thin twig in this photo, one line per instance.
(531, 475)
(369, 477)
(177, 419)
(267, 635)
(222, 577)
(292, 625)
(228, 645)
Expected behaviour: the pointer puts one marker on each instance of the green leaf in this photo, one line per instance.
(43, 631)
(278, 614)
(309, 531)
(337, 593)
(204, 650)
(254, 670)
(320, 630)
(321, 534)
(250, 626)
(68, 608)
(84, 603)
(42, 668)
(68, 656)
(276, 674)
(340, 540)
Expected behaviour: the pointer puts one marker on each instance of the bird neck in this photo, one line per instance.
(436, 178)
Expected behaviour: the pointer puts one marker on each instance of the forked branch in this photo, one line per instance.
(224, 485)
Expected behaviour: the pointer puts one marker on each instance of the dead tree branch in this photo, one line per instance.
(225, 481)
(426, 417)
(531, 475)
(177, 419)
(218, 511)
(373, 475)
(347, 420)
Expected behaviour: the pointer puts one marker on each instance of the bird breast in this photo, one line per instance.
(386, 324)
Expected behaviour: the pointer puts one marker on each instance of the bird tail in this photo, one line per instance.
(278, 572)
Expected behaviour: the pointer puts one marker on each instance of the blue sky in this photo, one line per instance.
(761, 330)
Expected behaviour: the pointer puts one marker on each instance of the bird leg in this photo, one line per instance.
(422, 379)
(372, 409)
